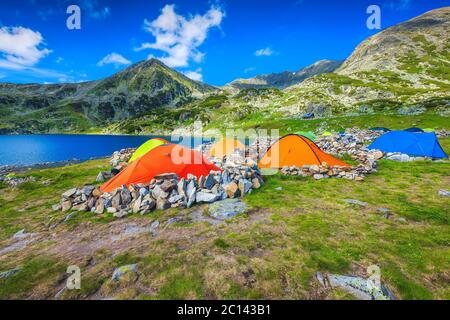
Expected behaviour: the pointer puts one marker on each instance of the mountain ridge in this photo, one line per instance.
(403, 69)
(143, 86)
(285, 79)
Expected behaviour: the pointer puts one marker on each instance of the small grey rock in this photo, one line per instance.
(155, 224)
(100, 177)
(205, 197)
(87, 190)
(56, 207)
(20, 234)
(119, 272)
(143, 192)
(191, 197)
(9, 273)
(120, 214)
(357, 202)
(69, 193)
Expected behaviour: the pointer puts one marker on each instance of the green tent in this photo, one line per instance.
(307, 134)
(146, 147)
(428, 130)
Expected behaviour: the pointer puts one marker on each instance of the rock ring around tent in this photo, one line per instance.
(162, 159)
(296, 150)
(410, 143)
(146, 147)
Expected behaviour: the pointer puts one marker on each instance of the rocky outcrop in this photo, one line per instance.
(131, 92)
(389, 50)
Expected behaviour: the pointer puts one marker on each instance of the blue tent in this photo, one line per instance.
(413, 144)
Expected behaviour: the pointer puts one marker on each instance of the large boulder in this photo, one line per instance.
(209, 181)
(137, 204)
(181, 187)
(125, 195)
(66, 205)
(205, 197)
(168, 186)
(162, 204)
(191, 197)
(232, 190)
(244, 186)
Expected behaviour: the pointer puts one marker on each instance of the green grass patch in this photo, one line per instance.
(42, 272)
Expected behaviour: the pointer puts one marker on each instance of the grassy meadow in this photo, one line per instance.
(272, 251)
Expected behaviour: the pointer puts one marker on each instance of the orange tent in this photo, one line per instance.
(225, 147)
(162, 159)
(296, 150)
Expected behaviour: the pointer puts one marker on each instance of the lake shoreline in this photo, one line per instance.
(8, 169)
(43, 150)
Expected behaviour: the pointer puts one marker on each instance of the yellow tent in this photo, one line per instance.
(225, 147)
(146, 147)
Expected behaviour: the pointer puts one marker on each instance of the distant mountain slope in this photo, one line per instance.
(417, 49)
(287, 78)
(133, 91)
(402, 70)
(401, 67)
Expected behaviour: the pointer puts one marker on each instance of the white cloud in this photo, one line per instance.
(114, 58)
(19, 47)
(59, 60)
(20, 50)
(179, 37)
(264, 52)
(194, 75)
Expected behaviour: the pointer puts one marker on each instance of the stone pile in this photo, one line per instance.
(120, 158)
(254, 151)
(361, 288)
(324, 171)
(352, 142)
(259, 146)
(164, 192)
(442, 133)
(235, 159)
(15, 181)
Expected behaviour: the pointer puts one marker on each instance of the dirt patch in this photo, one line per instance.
(123, 235)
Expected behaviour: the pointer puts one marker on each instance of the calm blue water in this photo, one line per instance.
(33, 149)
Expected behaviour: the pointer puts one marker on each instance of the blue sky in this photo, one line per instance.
(214, 41)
